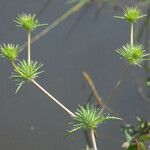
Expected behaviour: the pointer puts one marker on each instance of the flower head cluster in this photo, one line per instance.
(10, 51)
(25, 72)
(131, 14)
(88, 117)
(28, 22)
(133, 54)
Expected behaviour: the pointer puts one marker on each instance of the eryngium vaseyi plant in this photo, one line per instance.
(10, 51)
(28, 22)
(131, 14)
(88, 118)
(25, 72)
(134, 54)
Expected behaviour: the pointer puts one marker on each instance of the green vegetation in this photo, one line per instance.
(89, 117)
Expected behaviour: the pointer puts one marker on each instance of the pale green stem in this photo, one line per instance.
(93, 140)
(46, 92)
(16, 68)
(132, 34)
(29, 47)
(54, 99)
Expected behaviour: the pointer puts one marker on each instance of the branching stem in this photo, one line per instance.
(46, 92)
(54, 99)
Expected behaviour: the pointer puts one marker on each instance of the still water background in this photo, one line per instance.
(28, 120)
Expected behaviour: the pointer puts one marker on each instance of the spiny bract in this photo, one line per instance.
(88, 118)
(10, 51)
(26, 72)
(133, 54)
(27, 21)
(131, 14)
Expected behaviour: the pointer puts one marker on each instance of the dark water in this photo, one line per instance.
(28, 120)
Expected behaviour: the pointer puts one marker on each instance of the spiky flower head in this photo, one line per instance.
(27, 22)
(133, 54)
(10, 51)
(25, 72)
(88, 118)
(131, 14)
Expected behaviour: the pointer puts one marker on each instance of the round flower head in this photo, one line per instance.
(131, 14)
(25, 72)
(10, 51)
(88, 118)
(28, 22)
(133, 54)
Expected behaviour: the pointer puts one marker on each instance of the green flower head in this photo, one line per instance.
(27, 22)
(131, 14)
(10, 51)
(25, 72)
(133, 54)
(88, 118)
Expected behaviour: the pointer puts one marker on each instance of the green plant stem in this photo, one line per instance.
(16, 68)
(114, 89)
(132, 34)
(68, 13)
(46, 92)
(87, 134)
(54, 99)
(29, 47)
(93, 140)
